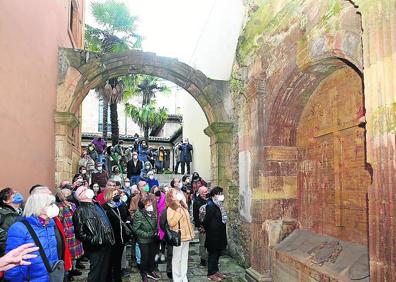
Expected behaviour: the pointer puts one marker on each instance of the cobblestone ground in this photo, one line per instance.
(196, 273)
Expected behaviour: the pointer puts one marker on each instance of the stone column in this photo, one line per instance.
(220, 134)
(379, 51)
(65, 122)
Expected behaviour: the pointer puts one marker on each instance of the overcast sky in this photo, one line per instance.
(182, 29)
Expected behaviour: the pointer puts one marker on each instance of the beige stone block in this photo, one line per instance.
(275, 187)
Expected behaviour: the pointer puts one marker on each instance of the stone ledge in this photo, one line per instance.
(252, 275)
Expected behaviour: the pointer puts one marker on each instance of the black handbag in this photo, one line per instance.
(56, 272)
(173, 238)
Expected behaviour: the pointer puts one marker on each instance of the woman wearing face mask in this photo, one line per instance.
(151, 181)
(66, 211)
(145, 171)
(40, 209)
(214, 223)
(10, 202)
(94, 230)
(145, 228)
(116, 211)
(95, 187)
(83, 173)
(179, 218)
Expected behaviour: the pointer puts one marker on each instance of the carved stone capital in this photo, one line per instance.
(67, 118)
(220, 130)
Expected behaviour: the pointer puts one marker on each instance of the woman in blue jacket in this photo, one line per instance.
(39, 210)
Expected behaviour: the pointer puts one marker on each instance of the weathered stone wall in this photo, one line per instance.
(287, 49)
(332, 179)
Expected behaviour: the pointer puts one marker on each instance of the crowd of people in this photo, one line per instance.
(97, 215)
(119, 159)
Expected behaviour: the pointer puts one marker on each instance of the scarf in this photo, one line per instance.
(224, 216)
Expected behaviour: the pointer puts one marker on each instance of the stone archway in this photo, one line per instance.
(80, 71)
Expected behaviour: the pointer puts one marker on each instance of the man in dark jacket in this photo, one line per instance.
(134, 167)
(198, 203)
(93, 229)
(185, 155)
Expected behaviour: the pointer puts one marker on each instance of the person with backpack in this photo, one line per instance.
(214, 223)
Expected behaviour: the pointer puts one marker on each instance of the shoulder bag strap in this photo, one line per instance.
(117, 215)
(152, 228)
(38, 244)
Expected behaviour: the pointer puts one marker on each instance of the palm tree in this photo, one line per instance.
(116, 34)
(147, 117)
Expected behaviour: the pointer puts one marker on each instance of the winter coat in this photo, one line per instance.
(66, 211)
(19, 235)
(90, 227)
(216, 236)
(198, 202)
(100, 178)
(152, 182)
(185, 152)
(143, 153)
(100, 145)
(161, 205)
(122, 211)
(133, 170)
(133, 206)
(183, 217)
(145, 226)
(8, 217)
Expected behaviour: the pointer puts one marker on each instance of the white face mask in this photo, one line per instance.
(52, 211)
(179, 196)
(83, 171)
(89, 194)
(150, 208)
(180, 185)
(127, 184)
(166, 188)
(99, 168)
(151, 177)
(124, 198)
(220, 198)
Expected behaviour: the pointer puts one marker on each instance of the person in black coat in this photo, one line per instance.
(134, 167)
(214, 223)
(185, 155)
(116, 210)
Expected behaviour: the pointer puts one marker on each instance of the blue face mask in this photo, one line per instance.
(18, 198)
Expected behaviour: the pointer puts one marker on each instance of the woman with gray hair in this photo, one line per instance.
(40, 209)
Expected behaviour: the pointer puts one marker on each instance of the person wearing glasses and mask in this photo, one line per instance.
(94, 230)
(39, 213)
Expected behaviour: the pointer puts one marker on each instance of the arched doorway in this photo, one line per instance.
(80, 71)
(332, 178)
